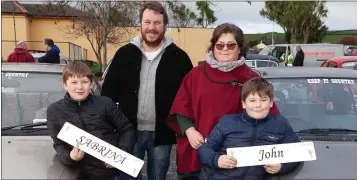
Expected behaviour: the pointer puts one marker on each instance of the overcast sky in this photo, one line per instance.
(341, 16)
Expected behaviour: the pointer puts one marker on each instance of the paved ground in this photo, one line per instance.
(171, 174)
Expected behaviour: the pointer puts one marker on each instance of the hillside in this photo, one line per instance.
(331, 37)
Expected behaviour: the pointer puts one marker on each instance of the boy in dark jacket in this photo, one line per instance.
(254, 127)
(97, 115)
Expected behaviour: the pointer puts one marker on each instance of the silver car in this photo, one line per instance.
(321, 106)
(27, 152)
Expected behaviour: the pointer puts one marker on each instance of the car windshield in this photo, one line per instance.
(317, 102)
(25, 96)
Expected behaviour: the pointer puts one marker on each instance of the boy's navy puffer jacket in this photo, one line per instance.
(240, 130)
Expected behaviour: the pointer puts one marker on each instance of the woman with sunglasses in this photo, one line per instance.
(208, 92)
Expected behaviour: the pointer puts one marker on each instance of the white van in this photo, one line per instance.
(315, 54)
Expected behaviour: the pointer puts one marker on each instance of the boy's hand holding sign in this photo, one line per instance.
(112, 156)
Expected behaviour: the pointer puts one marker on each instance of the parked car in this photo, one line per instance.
(261, 63)
(320, 105)
(63, 59)
(315, 54)
(346, 62)
(27, 152)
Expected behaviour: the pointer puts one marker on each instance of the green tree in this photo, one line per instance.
(280, 13)
(308, 26)
(180, 15)
(299, 18)
(206, 15)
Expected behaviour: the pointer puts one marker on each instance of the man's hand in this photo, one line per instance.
(272, 168)
(227, 162)
(76, 154)
(194, 137)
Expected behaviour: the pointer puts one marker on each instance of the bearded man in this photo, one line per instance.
(143, 78)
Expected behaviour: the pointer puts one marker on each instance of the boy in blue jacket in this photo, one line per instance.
(254, 127)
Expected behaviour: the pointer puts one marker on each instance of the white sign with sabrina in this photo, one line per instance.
(273, 154)
(100, 149)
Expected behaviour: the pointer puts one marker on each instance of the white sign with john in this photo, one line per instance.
(273, 154)
(100, 149)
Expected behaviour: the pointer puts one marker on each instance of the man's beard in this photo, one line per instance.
(155, 42)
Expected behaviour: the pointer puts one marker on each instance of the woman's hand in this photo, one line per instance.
(227, 162)
(272, 168)
(194, 137)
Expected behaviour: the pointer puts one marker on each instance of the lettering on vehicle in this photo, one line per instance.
(104, 151)
(319, 53)
(16, 74)
(272, 154)
(333, 81)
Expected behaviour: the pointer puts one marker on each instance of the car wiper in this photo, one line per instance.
(25, 126)
(326, 130)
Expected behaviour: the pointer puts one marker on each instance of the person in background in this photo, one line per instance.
(97, 115)
(52, 53)
(20, 54)
(235, 130)
(208, 92)
(299, 58)
(144, 77)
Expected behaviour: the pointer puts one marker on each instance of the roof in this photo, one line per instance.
(40, 10)
(341, 59)
(10, 7)
(309, 72)
(32, 67)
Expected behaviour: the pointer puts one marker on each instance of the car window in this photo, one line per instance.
(266, 63)
(317, 103)
(278, 51)
(25, 96)
(332, 65)
(250, 63)
(348, 65)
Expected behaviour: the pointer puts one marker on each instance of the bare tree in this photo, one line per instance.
(102, 22)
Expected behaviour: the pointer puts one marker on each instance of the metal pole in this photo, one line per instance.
(13, 17)
(272, 35)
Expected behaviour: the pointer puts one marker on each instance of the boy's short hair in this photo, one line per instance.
(76, 68)
(257, 85)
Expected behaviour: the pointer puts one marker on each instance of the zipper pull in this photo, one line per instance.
(79, 103)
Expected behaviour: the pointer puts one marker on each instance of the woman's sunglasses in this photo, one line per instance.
(230, 46)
